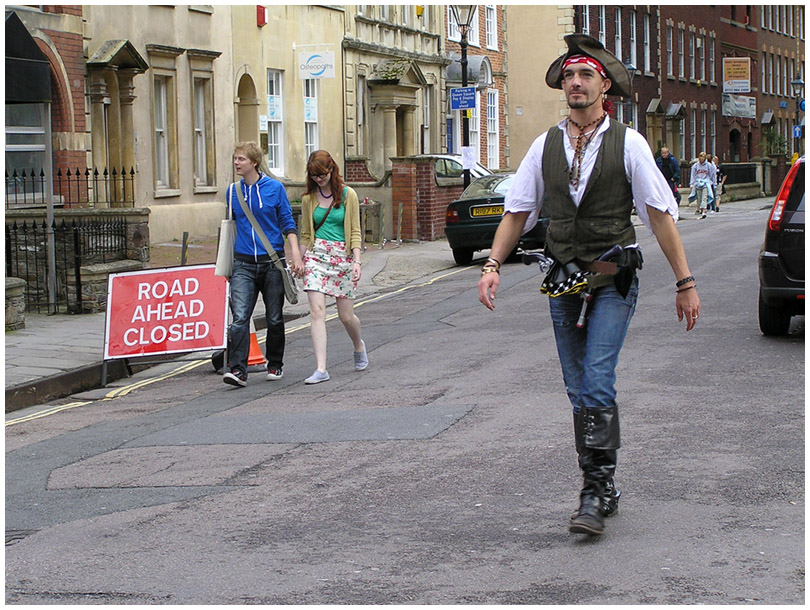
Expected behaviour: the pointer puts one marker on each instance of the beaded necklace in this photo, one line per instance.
(580, 144)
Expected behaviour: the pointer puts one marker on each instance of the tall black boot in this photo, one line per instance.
(597, 431)
(610, 504)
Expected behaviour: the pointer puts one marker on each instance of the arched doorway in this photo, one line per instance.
(247, 110)
(734, 144)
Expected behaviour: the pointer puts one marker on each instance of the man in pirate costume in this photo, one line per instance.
(587, 173)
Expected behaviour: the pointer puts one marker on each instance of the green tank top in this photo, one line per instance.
(332, 229)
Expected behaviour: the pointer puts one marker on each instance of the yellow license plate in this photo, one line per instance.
(489, 210)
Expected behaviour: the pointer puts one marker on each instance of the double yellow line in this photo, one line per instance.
(193, 364)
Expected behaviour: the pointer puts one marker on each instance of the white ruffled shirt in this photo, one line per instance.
(648, 183)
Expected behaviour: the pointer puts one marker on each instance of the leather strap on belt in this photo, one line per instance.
(603, 267)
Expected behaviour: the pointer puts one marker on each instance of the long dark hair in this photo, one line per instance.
(321, 162)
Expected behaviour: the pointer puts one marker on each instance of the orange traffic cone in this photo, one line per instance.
(255, 357)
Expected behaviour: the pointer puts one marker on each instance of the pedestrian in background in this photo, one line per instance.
(253, 270)
(671, 168)
(720, 186)
(702, 181)
(331, 245)
(590, 213)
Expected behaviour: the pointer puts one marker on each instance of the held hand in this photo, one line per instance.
(488, 288)
(297, 268)
(687, 303)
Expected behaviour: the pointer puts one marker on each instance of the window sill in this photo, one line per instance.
(162, 193)
(205, 189)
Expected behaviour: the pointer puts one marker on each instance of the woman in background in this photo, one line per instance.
(330, 246)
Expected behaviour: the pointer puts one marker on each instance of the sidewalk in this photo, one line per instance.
(56, 356)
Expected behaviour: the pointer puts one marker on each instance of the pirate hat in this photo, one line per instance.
(581, 44)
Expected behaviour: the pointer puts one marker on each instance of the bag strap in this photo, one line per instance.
(323, 220)
(271, 251)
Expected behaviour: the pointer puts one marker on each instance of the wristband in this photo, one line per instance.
(687, 288)
(490, 270)
(685, 280)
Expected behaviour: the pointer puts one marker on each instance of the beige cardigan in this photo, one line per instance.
(351, 221)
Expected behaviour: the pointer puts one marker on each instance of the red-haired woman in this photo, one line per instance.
(330, 245)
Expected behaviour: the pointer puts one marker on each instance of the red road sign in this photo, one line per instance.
(165, 311)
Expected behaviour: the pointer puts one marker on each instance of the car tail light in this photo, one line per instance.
(451, 216)
(779, 207)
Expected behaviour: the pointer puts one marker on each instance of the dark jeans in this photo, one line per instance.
(247, 281)
(589, 355)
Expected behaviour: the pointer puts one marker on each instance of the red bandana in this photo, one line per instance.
(588, 61)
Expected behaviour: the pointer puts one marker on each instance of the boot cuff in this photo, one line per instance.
(600, 427)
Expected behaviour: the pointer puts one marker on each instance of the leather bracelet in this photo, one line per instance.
(685, 280)
(358, 263)
(494, 260)
(687, 288)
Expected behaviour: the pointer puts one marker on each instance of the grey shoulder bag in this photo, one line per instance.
(290, 287)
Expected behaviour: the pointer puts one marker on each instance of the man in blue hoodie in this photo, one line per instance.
(253, 270)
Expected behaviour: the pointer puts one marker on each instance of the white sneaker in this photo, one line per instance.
(317, 377)
(361, 359)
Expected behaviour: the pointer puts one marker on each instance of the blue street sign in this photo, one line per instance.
(801, 105)
(462, 98)
(797, 131)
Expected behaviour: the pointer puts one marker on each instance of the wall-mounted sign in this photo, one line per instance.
(316, 64)
(742, 106)
(736, 75)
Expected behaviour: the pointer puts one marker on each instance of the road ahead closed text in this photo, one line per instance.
(166, 311)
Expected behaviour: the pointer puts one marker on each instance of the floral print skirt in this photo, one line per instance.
(328, 269)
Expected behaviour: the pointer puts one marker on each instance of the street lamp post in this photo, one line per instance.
(463, 14)
(632, 71)
(798, 87)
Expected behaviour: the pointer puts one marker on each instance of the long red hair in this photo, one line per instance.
(321, 162)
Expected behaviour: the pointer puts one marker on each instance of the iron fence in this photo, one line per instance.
(740, 173)
(82, 242)
(26, 188)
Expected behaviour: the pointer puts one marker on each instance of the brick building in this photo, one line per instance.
(678, 91)
(691, 81)
(57, 31)
(780, 62)
(486, 71)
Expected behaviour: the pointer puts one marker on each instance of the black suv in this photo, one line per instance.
(781, 258)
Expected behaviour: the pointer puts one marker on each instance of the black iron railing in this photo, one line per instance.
(27, 188)
(77, 243)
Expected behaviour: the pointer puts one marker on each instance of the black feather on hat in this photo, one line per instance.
(581, 44)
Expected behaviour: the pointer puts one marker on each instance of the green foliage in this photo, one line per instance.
(773, 143)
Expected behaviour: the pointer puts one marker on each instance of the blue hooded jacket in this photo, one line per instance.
(268, 202)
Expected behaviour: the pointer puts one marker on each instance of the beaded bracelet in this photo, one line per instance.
(680, 283)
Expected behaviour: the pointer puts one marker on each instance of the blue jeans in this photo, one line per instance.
(247, 281)
(589, 355)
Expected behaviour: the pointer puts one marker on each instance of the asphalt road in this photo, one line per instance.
(445, 473)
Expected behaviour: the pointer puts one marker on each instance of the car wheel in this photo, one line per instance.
(463, 256)
(772, 320)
